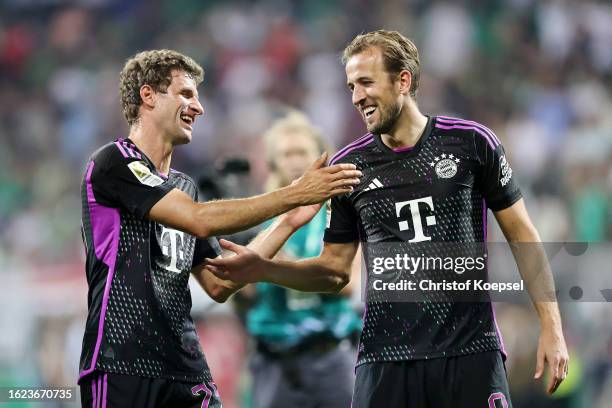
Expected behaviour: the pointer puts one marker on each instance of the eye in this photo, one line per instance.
(187, 93)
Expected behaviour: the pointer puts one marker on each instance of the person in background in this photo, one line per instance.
(303, 355)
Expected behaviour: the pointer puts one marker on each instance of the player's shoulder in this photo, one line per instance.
(184, 177)
(468, 129)
(116, 152)
(343, 155)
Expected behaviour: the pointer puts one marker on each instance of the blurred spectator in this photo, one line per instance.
(303, 354)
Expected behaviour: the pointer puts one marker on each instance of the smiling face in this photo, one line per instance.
(176, 109)
(375, 95)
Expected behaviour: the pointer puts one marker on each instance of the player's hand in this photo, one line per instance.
(245, 267)
(320, 183)
(300, 216)
(552, 349)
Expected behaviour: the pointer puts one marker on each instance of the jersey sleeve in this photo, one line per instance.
(126, 182)
(498, 183)
(342, 221)
(205, 248)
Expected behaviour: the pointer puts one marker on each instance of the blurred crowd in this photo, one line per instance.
(539, 73)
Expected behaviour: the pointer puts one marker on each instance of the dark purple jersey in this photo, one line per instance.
(436, 192)
(137, 271)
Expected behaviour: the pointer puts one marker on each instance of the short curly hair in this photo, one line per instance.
(152, 68)
(399, 53)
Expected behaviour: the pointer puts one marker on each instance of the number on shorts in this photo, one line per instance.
(198, 389)
(497, 396)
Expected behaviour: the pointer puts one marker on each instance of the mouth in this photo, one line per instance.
(368, 111)
(187, 119)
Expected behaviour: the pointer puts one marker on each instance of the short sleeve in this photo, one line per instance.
(498, 183)
(127, 183)
(342, 221)
(206, 248)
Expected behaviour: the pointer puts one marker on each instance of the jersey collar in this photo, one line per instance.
(407, 151)
(148, 161)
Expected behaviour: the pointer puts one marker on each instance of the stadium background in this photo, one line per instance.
(539, 73)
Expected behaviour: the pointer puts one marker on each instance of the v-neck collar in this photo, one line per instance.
(409, 150)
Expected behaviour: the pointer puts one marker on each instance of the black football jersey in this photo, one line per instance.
(436, 192)
(137, 270)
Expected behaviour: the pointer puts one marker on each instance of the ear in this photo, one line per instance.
(148, 96)
(405, 82)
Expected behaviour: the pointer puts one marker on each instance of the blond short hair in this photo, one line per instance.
(399, 53)
(292, 122)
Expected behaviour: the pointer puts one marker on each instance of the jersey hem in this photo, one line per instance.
(508, 203)
(177, 377)
(338, 237)
(360, 361)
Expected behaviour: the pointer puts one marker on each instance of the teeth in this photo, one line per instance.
(369, 110)
(186, 118)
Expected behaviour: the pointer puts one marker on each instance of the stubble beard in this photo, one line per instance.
(388, 119)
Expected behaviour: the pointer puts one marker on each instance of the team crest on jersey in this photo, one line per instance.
(445, 165)
(144, 175)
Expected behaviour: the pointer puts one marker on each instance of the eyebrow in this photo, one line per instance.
(190, 90)
(361, 78)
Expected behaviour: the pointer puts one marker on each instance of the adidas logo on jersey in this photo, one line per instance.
(374, 184)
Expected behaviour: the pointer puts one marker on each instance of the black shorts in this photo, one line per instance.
(470, 381)
(110, 390)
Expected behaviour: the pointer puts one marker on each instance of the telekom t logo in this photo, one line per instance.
(430, 220)
(172, 246)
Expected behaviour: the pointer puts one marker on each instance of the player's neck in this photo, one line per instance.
(157, 149)
(408, 129)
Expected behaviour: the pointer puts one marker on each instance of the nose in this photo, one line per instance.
(197, 107)
(358, 95)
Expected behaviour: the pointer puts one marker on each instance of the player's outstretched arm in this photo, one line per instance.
(329, 272)
(266, 244)
(178, 210)
(535, 271)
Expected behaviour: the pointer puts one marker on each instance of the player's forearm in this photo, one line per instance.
(218, 289)
(268, 242)
(309, 275)
(532, 262)
(220, 293)
(355, 280)
(536, 273)
(224, 292)
(549, 315)
(229, 216)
